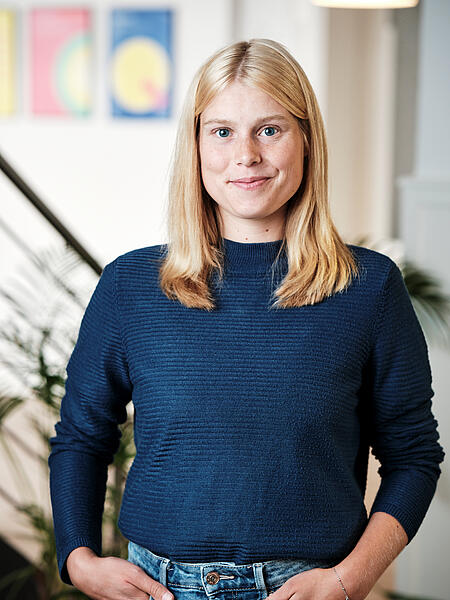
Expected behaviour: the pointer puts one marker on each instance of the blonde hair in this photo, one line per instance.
(319, 262)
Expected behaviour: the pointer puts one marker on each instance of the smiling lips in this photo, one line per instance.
(250, 183)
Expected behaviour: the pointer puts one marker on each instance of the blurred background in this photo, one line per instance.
(90, 96)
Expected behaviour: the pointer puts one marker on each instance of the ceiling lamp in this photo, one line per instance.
(366, 3)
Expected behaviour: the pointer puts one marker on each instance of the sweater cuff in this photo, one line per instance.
(408, 525)
(64, 552)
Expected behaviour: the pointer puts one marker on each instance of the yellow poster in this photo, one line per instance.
(7, 62)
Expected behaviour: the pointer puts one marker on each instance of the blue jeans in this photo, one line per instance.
(219, 580)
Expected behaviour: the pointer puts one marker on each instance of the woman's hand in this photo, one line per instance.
(112, 578)
(314, 584)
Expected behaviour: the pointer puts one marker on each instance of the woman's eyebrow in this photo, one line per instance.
(261, 120)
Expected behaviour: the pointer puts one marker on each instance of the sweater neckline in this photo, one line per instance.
(250, 257)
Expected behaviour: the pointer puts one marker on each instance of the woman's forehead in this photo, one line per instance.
(237, 99)
(239, 92)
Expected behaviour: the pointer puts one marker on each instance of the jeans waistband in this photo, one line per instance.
(217, 576)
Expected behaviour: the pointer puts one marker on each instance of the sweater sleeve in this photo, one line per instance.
(403, 430)
(97, 390)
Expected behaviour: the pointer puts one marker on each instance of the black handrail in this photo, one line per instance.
(12, 174)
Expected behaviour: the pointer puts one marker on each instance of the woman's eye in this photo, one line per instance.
(270, 128)
(220, 130)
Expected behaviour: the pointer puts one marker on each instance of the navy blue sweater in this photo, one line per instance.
(252, 425)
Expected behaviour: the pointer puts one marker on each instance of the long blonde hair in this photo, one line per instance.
(319, 262)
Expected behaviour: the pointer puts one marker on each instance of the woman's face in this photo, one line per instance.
(246, 134)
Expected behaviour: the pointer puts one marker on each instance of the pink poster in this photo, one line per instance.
(61, 61)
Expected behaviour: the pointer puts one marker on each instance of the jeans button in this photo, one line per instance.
(212, 577)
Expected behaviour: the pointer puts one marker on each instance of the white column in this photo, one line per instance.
(424, 196)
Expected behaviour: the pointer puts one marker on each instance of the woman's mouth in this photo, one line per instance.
(251, 185)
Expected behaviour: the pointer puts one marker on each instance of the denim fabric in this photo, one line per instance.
(221, 580)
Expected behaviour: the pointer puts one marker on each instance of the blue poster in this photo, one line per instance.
(141, 63)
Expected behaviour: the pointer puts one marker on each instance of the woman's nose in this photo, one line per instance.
(247, 151)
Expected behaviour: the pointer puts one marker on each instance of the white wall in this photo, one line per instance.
(361, 101)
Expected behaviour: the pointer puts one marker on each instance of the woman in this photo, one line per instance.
(263, 356)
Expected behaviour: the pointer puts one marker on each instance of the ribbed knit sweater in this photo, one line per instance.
(252, 425)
